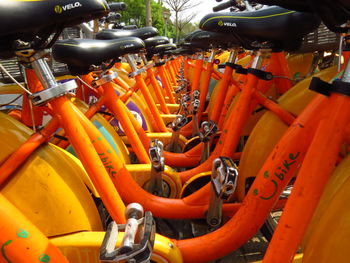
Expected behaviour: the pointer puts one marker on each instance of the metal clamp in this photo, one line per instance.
(223, 181)
(136, 72)
(46, 95)
(140, 226)
(105, 78)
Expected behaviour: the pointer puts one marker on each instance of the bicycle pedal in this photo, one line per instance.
(141, 227)
(223, 181)
(179, 122)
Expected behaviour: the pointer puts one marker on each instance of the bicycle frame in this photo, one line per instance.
(84, 139)
(228, 237)
(21, 241)
(237, 118)
(312, 177)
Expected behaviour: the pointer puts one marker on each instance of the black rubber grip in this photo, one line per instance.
(115, 7)
(113, 18)
(224, 5)
(128, 27)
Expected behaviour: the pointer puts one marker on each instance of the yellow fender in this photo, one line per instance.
(297, 259)
(48, 188)
(84, 247)
(107, 130)
(299, 64)
(168, 118)
(193, 181)
(270, 129)
(327, 238)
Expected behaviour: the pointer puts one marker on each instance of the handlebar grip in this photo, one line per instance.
(128, 27)
(115, 7)
(113, 18)
(224, 5)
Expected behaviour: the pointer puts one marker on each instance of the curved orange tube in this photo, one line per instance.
(317, 167)
(21, 241)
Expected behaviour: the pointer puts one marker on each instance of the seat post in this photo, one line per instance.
(43, 72)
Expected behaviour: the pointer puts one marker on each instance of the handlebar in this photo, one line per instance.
(224, 5)
(113, 18)
(119, 6)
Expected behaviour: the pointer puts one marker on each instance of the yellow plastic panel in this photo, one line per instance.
(269, 129)
(328, 236)
(222, 58)
(300, 94)
(124, 72)
(141, 174)
(122, 151)
(191, 181)
(167, 118)
(299, 64)
(297, 259)
(84, 247)
(47, 188)
(173, 107)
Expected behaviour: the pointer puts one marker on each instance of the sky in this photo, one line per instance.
(205, 7)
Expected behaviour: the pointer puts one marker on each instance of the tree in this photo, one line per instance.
(178, 6)
(148, 13)
(185, 23)
(135, 14)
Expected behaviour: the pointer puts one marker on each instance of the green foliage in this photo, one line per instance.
(136, 14)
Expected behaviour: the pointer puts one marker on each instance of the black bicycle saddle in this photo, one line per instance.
(35, 21)
(283, 28)
(80, 54)
(206, 39)
(143, 33)
(334, 13)
(155, 41)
